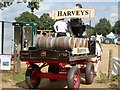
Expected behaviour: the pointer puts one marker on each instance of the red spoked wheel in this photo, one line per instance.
(31, 79)
(73, 78)
(89, 73)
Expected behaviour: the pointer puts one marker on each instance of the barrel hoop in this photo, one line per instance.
(47, 42)
(75, 42)
(36, 41)
(65, 41)
(84, 42)
(52, 42)
(57, 42)
(80, 42)
(39, 42)
(70, 41)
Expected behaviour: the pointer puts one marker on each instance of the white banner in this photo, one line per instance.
(73, 13)
(5, 62)
(116, 66)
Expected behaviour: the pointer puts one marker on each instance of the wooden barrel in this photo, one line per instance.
(41, 42)
(45, 42)
(65, 43)
(83, 42)
(61, 43)
(76, 43)
(52, 42)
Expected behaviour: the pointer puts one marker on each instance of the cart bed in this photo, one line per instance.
(53, 55)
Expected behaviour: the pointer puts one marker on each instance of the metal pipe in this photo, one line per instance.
(2, 44)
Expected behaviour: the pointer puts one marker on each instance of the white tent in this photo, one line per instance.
(111, 35)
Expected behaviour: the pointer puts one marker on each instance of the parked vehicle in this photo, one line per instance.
(108, 40)
(118, 41)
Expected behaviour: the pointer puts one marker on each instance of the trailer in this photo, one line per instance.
(62, 65)
(67, 58)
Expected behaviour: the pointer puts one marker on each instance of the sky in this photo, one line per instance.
(107, 10)
(103, 9)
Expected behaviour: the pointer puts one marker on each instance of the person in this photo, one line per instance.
(78, 5)
(76, 25)
(60, 28)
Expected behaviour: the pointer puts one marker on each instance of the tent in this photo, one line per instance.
(111, 35)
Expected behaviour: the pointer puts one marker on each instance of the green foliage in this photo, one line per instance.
(103, 27)
(89, 30)
(27, 17)
(117, 27)
(5, 4)
(103, 78)
(34, 4)
(46, 22)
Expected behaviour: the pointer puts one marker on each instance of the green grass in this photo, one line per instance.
(20, 77)
(116, 78)
(114, 81)
(8, 76)
(103, 78)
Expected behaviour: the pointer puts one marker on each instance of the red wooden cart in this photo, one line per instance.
(62, 65)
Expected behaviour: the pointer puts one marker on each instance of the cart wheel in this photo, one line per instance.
(73, 78)
(89, 73)
(53, 69)
(30, 78)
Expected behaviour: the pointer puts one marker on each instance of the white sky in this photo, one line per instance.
(107, 10)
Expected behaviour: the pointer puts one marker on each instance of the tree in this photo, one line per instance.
(34, 4)
(5, 4)
(89, 30)
(116, 27)
(46, 22)
(103, 27)
(27, 17)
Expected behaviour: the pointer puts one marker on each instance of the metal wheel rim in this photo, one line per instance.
(33, 77)
(76, 80)
(91, 74)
